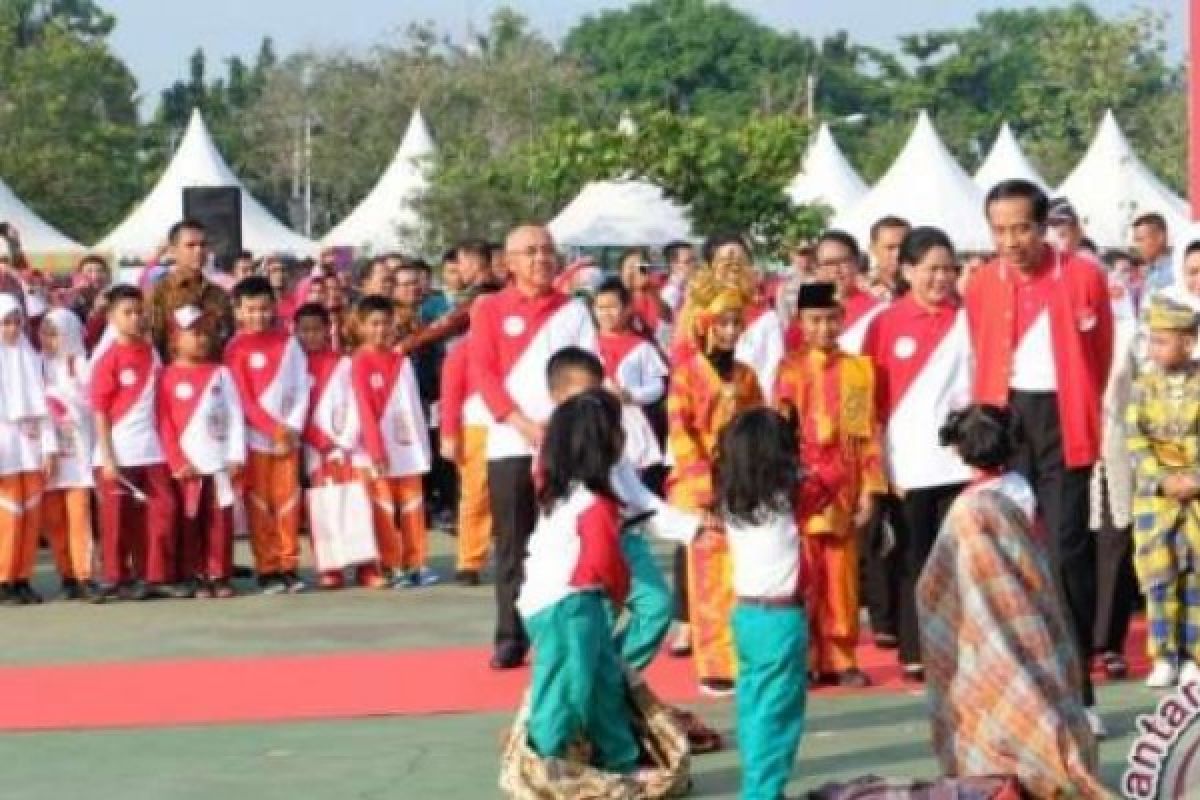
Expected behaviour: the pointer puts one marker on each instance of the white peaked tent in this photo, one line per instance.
(1006, 161)
(926, 186)
(37, 235)
(1110, 187)
(826, 176)
(197, 162)
(623, 213)
(386, 217)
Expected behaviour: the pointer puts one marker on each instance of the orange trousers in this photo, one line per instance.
(831, 576)
(474, 503)
(20, 524)
(710, 608)
(67, 526)
(398, 512)
(273, 511)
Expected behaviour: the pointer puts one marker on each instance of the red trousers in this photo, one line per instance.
(138, 539)
(206, 544)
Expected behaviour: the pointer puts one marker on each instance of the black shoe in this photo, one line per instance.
(886, 641)
(243, 573)
(70, 589)
(853, 678)
(293, 583)
(138, 591)
(8, 597)
(508, 656)
(87, 590)
(914, 673)
(467, 577)
(272, 583)
(717, 687)
(26, 594)
(105, 594)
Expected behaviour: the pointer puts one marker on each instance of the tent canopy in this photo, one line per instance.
(826, 177)
(197, 162)
(387, 217)
(1006, 161)
(622, 213)
(37, 235)
(1110, 187)
(926, 186)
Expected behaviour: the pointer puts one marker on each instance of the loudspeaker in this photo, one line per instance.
(219, 209)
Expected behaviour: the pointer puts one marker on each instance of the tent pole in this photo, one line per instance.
(1194, 107)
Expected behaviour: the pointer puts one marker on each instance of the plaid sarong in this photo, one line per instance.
(1001, 670)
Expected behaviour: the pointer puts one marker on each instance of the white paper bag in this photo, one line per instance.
(339, 517)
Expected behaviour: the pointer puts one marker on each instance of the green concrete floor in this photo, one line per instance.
(444, 757)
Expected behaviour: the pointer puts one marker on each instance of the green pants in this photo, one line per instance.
(772, 651)
(578, 689)
(648, 604)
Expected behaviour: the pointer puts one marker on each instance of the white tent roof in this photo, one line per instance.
(623, 213)
(926, 186)
(37, 235)
(386, 217)
(1111, 186)
(197, 162)
(826, 176)
(1006, 161)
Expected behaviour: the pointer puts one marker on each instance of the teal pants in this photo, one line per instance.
(578, 689)
(649, 604)
(772, 652)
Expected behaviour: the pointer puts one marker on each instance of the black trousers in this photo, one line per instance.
(1063, 500)
(441, 482)
(514, 515)
(680, 561)
(1117, 594)
(881, 573)
(921, 515)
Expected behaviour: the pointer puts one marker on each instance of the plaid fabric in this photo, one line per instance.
(1002, 673)
(1173, 617)
(525, 776)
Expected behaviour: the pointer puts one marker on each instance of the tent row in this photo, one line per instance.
(925, 184)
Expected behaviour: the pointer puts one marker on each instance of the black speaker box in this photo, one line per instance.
(219, 209)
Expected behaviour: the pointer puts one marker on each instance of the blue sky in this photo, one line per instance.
(155, 37)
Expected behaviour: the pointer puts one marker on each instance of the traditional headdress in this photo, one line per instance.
(1166, 314)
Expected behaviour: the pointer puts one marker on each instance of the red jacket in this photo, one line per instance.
(1081, 328)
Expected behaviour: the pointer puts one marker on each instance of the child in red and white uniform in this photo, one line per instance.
(28, 448)
(204, 434)
(393, 447)
(271, 373)
(332, 429)
(574, 574)
(633, 369)
(137, 498)
(67, 504)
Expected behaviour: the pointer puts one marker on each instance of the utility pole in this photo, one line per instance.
(1194, 107)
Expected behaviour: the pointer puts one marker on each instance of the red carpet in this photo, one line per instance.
(341, 685)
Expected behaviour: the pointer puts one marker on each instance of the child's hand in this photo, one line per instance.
(380, 468)
(109, 472)
(866, 509)
(186, 473)
(449, 449)
(50, 466)
(235, 472)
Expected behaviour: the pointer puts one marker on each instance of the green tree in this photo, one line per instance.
(68, 116)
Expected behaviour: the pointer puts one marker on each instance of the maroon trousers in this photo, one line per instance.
(206, 543)
(138, 537)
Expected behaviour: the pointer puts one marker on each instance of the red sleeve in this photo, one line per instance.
(368, 414)
(168, 431)
(600, 559)
(103, 384)
(872, 349)
(313, 436)
(454, 391)
(256, 416)
(484, 359)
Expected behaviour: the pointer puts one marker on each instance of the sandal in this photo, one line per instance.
(701, 738)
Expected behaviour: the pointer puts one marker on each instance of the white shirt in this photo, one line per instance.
(1033, 363)
(766, 557)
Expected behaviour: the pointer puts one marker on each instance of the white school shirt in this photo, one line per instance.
(766, 556)
(214, 438)
(66, 395)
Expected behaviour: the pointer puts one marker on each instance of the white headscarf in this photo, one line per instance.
(22, 390)
(67, 369)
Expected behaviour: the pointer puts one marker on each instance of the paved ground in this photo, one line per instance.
(445, 757)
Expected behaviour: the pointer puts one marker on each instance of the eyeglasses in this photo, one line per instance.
(534, 252)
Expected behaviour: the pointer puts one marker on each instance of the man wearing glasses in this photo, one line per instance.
(514, 333)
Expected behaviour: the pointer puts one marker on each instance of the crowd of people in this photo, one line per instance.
(990, 451)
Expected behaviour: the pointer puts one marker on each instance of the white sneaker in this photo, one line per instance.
(1095, 723)
(1190, 673)
(1163, 676)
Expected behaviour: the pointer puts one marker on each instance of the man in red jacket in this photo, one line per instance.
(1042, 332)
